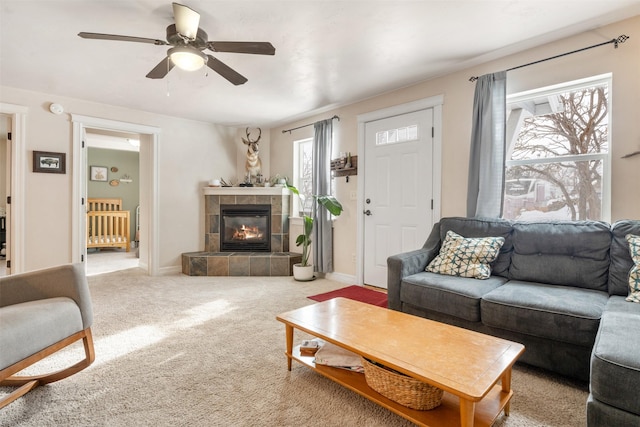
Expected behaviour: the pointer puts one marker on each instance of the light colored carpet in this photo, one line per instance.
(189, 351)
(110, 259)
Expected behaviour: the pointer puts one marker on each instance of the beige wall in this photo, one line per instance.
(189, 154)
(623, 63)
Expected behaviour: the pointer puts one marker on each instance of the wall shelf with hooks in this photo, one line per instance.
(339, 167)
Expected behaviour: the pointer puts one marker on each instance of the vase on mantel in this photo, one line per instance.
(302, 273)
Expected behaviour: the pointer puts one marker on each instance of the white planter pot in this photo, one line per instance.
(303, 274)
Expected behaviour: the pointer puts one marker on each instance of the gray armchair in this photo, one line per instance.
(42, 312)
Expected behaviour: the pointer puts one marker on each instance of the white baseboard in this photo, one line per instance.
(168, 271)
(342, 278)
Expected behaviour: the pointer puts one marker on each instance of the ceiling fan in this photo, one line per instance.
(188, 42)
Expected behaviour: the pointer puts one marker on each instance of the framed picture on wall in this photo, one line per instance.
(49, 162)
(98, 173)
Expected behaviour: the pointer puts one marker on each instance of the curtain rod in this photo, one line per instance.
(308, 124)
(623, 38)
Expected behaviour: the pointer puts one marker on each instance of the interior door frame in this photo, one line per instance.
(16, 210)
(434, 102)
(149, 179)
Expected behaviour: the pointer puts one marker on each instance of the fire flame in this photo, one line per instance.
(247, 233)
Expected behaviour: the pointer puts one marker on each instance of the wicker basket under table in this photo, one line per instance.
(401, 388)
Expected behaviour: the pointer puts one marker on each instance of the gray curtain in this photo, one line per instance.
(486, 163)
(322, 239)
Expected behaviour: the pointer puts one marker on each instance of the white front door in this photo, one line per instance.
(398, 189)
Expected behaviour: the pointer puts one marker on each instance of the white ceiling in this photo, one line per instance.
(328, 53)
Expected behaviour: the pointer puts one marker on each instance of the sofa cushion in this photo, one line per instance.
(483, 227)
(634, 274)
(466, 257)
(32, 326)
(559, 313)
(615, 366)
(620, 257)
(455, 296)
(562, 253)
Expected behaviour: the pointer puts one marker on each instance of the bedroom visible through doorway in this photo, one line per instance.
(113, 175)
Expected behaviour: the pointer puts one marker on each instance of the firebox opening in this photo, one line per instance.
(245, 228)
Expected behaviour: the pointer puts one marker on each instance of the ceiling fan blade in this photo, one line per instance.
(187, 20)
(121, 38)
(162, 69)
(258, 48)
(226, 71)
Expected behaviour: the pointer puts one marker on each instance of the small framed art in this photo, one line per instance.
(49, 162)
(98, 173)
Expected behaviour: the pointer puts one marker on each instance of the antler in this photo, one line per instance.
(248, 140)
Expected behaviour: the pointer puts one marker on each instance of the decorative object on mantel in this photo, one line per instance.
(280, 181)
(253, 165)
(345, 166)
(635, 153)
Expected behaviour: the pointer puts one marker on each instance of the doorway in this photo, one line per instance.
(16, 163)
(114, 175)
(148, 249)
(5, 189)
(399, 191)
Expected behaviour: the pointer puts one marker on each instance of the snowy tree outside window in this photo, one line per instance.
(558, 146)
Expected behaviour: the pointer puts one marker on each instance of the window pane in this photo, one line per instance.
(560, 144)
(554, 191)
(392, 136)
(305, 174)
(577, 124)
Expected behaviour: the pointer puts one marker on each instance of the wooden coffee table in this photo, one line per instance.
(473, 369)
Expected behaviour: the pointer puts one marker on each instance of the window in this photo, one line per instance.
(394, 136)
(557, 163)
(302, 174)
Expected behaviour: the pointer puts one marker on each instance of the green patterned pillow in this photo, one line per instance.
(466, 257)
(634, 274)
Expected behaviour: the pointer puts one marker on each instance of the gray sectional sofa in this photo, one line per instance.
(557, 287)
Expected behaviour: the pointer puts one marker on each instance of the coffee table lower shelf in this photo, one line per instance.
(447, 414)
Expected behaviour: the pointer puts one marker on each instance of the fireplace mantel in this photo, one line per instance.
(246, 191)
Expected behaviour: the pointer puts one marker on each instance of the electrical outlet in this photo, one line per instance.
(353, 258)
(353, 195)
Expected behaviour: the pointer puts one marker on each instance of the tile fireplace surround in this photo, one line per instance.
(212, 262)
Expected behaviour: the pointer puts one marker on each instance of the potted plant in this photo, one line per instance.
(303, 271)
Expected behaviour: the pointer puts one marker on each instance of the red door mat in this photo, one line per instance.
(357, 293)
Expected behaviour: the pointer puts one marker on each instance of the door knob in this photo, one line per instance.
(367, 212)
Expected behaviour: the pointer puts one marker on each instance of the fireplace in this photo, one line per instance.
(245, 228)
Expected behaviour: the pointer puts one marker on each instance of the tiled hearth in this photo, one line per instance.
(212, 262)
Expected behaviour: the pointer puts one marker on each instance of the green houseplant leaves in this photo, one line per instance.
(328, 202)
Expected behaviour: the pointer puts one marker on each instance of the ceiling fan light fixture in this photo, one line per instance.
(186, 58)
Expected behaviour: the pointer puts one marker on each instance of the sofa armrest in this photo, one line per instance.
(408, 263)
(63, 281)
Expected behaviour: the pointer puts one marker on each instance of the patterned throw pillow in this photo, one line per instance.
(466, 257)
(634, 274)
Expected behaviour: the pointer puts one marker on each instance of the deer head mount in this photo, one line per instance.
(253, 164)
